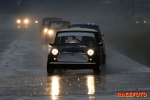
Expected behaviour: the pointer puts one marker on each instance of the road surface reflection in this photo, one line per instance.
(90, 84)
(55, 87)
(79, 84)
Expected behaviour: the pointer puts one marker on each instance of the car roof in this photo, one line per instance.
(84, 24)
(59, 21)
(52, 18)
(77, 29)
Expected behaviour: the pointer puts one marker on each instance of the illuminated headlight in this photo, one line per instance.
(18, 21)
(54, 51)
(26, 21)
(45, 30)
(50, 32)
(144, 22)
(90, 52)
(137, 22)
(36, 21)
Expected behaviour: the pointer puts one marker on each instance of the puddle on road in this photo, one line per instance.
(53, 86)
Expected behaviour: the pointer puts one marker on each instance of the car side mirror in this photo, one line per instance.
(100, 44)
(102, 35)
(51, 44)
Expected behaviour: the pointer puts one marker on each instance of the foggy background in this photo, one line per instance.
(98, 11)
(113, 16)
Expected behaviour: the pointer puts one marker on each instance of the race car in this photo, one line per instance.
(53, 27)
(25, 22)
(45, 23)
(95, 27)
(76, 48)
(22, 22)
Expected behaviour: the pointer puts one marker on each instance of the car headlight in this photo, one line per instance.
(90, 52)
(36, 21)
(50, 32)
(18, 21)
(45, 30)
(26, 21)
(54, 51)
(144, 22)
(137, 22)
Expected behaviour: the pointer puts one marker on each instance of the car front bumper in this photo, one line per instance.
(73, 65)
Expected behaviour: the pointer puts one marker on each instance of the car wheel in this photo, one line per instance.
(97, 70)
(50, 69)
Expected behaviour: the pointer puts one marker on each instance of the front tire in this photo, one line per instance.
(97, 70)
(50, 69)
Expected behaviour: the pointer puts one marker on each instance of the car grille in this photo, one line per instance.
(72, 57)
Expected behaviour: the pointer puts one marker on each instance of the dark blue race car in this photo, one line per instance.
(95, 27)
(88, 25)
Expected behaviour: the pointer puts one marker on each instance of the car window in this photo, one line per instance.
(57, 24)
(46, 22)
(74, 27)
(75, 37)
(93, 27)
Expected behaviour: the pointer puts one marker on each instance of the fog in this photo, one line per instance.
(103, 12)
(113, 16)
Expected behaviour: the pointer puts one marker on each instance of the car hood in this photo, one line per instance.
(80, 48)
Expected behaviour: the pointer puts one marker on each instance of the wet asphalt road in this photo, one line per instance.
(23, 75)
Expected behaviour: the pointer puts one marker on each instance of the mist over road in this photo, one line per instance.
(23, 72)
(23, 53)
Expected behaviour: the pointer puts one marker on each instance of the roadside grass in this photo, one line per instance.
(133, 42)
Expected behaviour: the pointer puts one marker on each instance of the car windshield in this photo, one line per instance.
(46, 21)
(75, 37)
(58, 24)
